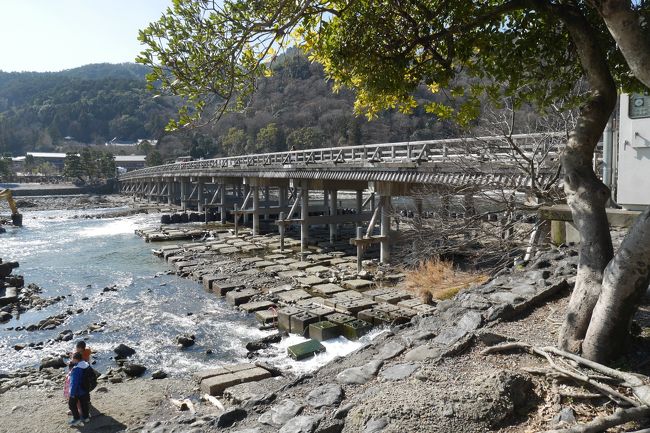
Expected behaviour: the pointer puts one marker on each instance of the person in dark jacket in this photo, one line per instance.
(78, 394)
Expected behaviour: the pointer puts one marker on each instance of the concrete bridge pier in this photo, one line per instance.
(304, 221)
(333, 212)
(255, 190)
(359, 205)
(384, 252)
(183, 195)
(246, 191)
(200, 185)
(222, 199)
(267, 203)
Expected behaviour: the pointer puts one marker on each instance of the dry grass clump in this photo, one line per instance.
(438, 279)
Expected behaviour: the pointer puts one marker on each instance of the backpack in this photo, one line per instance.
(89, 381)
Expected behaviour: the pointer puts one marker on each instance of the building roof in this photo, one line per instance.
(46, 155)
(130, 158)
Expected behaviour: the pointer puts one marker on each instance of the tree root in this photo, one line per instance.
(566, 365)
(600, 424)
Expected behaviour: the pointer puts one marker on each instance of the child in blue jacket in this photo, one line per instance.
(78, 394)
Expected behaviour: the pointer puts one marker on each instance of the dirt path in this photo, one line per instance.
(116, 407)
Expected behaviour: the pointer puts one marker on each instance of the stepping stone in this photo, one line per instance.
(284, 317)
(324, 330)
(424, 309)
(355, 329)
(291, 274)
(317, 269)
(251, 248)
(209, 280)
(226, 369)
(321, 312)
(348, 294)
(353, 306)
(287, 261)
(275, 269)
(305, 350)
(424, 352)
(278, 289)
(251, 260)
(263, 264)
(266, 316)
(359, 375)
(300, 322)
(300, 266)
(386, 308)
(376, 292)
(339, 319)
(409, 303)
(223, 288)
(293, 295)
(310, 280)
(375, 317)
(327, 289)
(275, 257)
(240, 296)
(281, 413)
(358, 284)
(251, 307)
(217, 384)
(399, 371)
(228, 250)
(393, 298)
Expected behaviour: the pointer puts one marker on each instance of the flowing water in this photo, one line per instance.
(78, 257)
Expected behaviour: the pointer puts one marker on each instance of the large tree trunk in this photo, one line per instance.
(625, 26)
(586, 195)
(625, 282)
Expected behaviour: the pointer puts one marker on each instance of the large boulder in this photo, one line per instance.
(133, 370)
(55, 362)
(123, 351)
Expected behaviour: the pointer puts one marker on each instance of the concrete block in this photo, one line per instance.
(240, 296)
(266, 316)
(305, 350)
(310, 280)
(355, 329)
(324, 330)
(327, 289)
(339, 318)
(251, 307)
(284, 317)
(293, 295)
(222, 289)
(217, 384)
(358, 284)
(301, 321)
(348, 294)
(317, 269)
(210, 280)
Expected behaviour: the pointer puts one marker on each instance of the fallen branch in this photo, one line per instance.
(600, 424)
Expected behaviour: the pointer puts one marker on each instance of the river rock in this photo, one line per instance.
(301, 424)
(230, 417)
(5, 316)
(123, 351)
(390, 350)
(281, 413)
(52, 363)
(375, 425)
(185, 340)
(133, 370)
(263, 343)
(158, 374)
(359, 375)
(327, 395)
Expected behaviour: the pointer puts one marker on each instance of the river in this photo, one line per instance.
(79, 257)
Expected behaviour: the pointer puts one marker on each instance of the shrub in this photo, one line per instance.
(439, 279)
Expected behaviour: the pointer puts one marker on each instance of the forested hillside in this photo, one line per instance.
(95, 103)
(91, 104)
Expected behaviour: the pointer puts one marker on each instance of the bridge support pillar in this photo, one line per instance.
(304, 222)
(256, 209)
(170, 192)
(418, 207)
(223, 203)
(199, 195)
(359, 205)
(183, 195)
(326, 201)
(333, 211)
(267, 203)
(282, 199)
(245, 215)
(384, 252)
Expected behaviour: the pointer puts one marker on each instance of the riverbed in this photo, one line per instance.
(146, 308)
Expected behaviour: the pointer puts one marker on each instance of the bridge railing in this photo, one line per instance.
(402, 152)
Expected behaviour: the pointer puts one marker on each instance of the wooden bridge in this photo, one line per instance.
(376, 173)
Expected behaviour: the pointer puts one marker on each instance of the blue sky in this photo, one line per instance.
(52, 35)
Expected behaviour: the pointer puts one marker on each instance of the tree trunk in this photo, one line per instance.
(625, 282)
(586, 195)
(625, 26)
